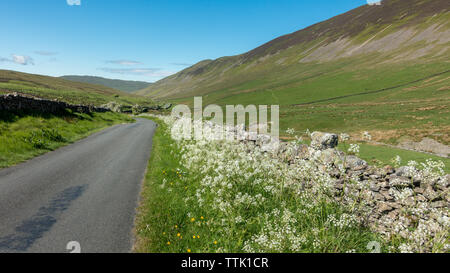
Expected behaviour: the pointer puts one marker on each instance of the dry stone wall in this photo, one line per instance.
(18, 102)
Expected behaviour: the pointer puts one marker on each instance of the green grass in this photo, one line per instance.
(169, 224)
(71, 96)
(65, 90)
(387, 122)
(352, 96)
(24, 136)
(382, 155)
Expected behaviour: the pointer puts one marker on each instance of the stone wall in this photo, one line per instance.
(18, 102)
(393, 199)
(407, 202)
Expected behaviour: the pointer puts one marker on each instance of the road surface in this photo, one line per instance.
(85, 193)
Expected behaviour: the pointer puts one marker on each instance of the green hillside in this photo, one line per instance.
(383, 69)
(126, 86)
(64, 90)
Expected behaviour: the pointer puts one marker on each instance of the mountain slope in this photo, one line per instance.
(64, 90)
(367, 49)
(126, 86)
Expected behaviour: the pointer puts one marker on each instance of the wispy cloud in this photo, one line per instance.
(124, 62)
(45, 53)
(149, 72)
(23, 60)
(181, 64)
(19, 59)
(74, 2)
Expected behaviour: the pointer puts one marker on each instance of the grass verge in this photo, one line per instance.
(26, 135)
(169, 219)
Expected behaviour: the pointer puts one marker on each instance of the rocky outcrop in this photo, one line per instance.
(18, 102)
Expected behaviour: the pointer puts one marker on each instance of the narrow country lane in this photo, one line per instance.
(86, 192)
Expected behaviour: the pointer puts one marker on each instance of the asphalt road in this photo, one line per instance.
(86, 192)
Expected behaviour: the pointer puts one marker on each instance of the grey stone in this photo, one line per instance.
(388, 170)
(399, 181)
(384, 207)
(393, 214)
(421, 198)
(329, 156)
(379, 197)
(387, 195)
(355, 163)
(374, 187)
(374, 177)
(302, 151)
(323, 141)
(439, 204)
(431, 194)
(166, 106)
(410, 201)
(405, 171)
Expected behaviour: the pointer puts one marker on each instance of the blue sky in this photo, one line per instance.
(144, 39)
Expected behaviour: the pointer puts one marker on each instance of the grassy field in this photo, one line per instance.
(381, 156)
(394, 103)
(24, 136)
(65, 90)
(167, 222)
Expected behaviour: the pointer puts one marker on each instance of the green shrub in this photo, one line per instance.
(40, 139)
(53, 135)
(3, 128)
(36, 140)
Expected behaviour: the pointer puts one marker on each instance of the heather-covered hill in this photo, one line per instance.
(405, 40)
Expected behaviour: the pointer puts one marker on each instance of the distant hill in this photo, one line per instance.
(64, 90)
(372, 47)
(383, 69)
(126, 86)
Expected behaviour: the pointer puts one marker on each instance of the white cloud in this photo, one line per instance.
(181, 64)
(149, 72)
(124, 62)
(19, 59)
(23, 60)
(74, 2)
